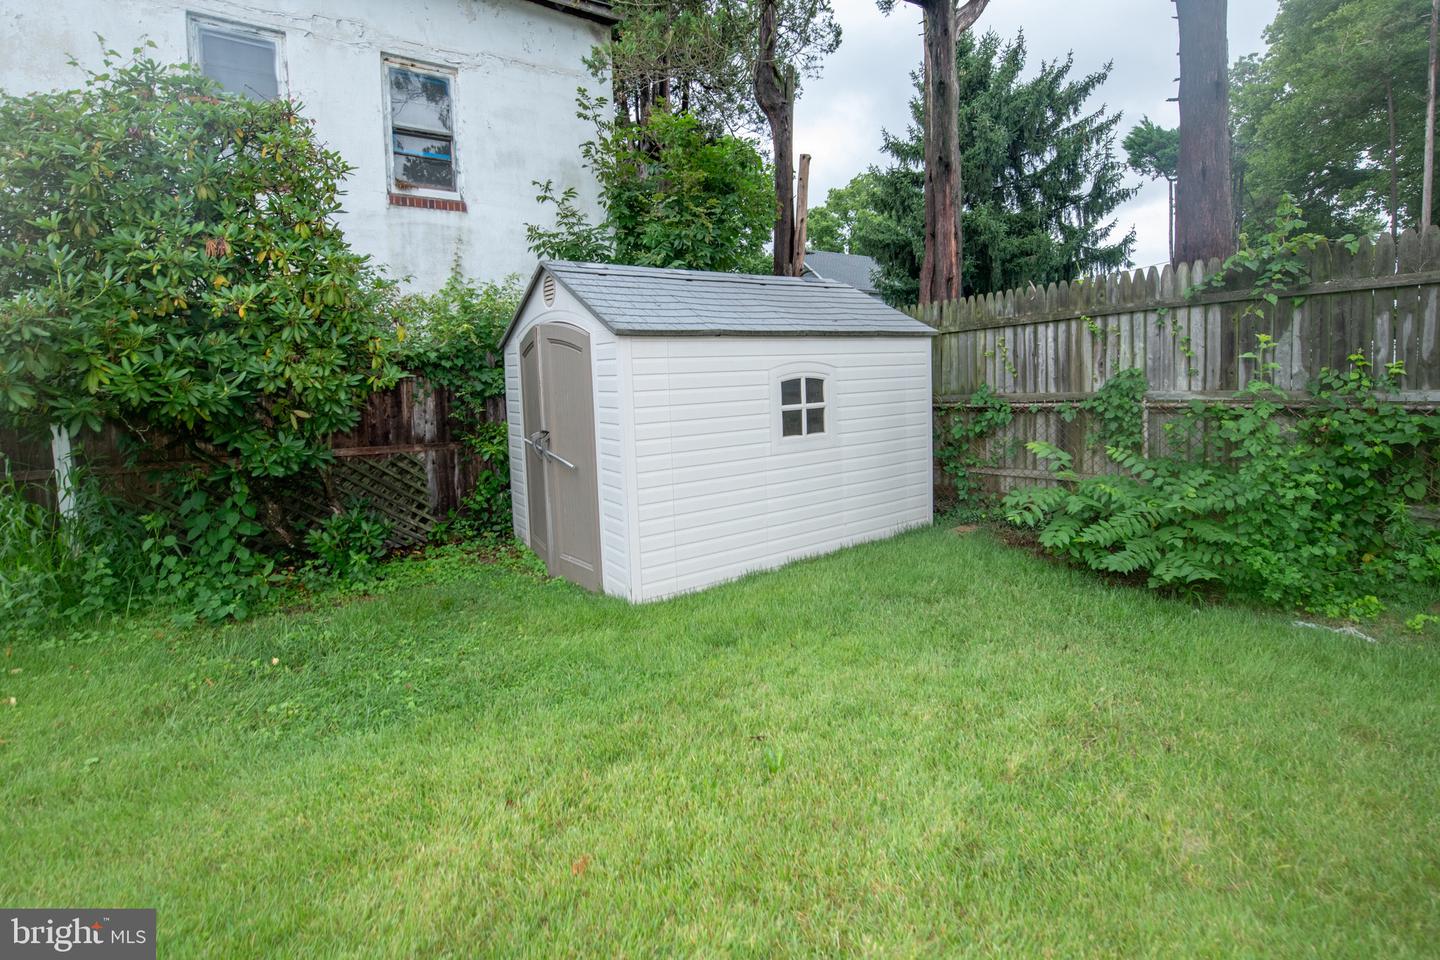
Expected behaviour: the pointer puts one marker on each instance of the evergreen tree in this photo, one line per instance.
(1042, 180)
(690, 54)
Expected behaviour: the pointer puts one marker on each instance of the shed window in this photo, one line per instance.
(422, 127)
(802, 406)
(243, 60)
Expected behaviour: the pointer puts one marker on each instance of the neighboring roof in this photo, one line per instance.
(852, 268)
(598, 10)
(647, 302)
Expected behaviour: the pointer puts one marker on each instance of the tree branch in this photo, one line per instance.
(967, 15)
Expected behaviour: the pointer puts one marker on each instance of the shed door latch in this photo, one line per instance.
(540, 442)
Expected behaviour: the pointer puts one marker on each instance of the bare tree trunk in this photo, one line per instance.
(940, 270)
(775, 93)
(1204, 210)
(1394, 163)
(1427, 200)
(802, 216)
(942, 267)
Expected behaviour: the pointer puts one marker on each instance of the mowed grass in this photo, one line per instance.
(932, 746)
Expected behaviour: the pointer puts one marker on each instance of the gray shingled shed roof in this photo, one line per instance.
(855, 269)
(649, 302)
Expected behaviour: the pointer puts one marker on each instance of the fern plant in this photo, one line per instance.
(1298, 505)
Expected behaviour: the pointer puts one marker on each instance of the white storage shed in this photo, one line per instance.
(671, 429)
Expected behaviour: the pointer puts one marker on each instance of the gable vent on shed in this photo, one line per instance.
(547, 290)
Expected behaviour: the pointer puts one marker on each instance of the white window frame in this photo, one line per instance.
(388, 60)
(817, 371)
(196, 22)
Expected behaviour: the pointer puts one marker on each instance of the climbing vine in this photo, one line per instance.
(1275, 260)
(1116, 412)
(962, 432)
(1305, 505)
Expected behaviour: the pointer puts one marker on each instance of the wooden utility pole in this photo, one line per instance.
(1204, 210)
(1427, 200)
(802, 215)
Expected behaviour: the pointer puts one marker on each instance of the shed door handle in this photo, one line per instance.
(558, 459)
(540, 442)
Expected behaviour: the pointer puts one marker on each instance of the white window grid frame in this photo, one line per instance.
(196, 22)
(824, 372)
(452, 76)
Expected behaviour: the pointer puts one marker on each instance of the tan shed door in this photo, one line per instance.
(562, 487)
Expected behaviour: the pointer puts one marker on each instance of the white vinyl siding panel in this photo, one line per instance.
(610, 461)
(519, 496)
(718, 493)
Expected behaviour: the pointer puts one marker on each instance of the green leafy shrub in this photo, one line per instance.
(674, 196)
(206, 555)
(169, 260)
(452, 339)
(348, 544)
(1274, 260)
(1299, 505)
(572, 236)
(489, 503)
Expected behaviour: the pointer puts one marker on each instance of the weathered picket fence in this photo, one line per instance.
(1045, 349)
(405, 461)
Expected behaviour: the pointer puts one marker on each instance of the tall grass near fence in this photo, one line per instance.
(71, 572)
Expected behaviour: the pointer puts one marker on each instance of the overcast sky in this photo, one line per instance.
(866, 84)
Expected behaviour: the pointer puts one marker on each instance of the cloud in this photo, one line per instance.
(866, 86)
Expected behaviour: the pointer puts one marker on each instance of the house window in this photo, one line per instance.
(422, 127)
(244, 60)
(802, 406)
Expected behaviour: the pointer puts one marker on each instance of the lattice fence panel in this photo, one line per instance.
(404, 461)
(395, 488)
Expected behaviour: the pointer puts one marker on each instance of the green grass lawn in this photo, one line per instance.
(933, 746)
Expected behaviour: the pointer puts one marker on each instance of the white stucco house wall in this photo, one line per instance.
(673, 429)
(448, 110)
